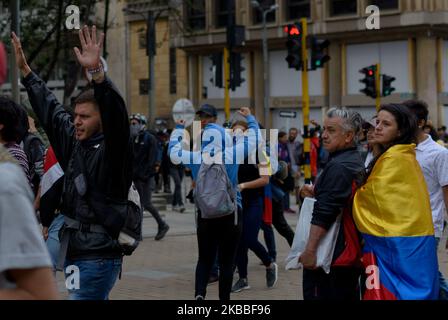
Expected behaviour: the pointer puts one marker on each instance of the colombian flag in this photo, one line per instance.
(267, 199)
(393, 214)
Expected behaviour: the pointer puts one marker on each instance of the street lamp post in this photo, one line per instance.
(265, 12)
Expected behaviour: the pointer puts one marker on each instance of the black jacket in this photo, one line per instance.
(333, 191)
(107, 159)
(146, 151)
(334, 186)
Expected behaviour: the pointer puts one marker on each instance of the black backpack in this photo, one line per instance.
(27, 144)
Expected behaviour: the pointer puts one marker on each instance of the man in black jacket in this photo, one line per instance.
(95, 153)
(146, 164)
(333, 193)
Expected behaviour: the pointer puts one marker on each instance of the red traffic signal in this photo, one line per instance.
(292, 30)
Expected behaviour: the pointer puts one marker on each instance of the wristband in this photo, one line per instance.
(95, 70)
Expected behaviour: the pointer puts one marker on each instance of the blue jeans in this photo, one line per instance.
(53, 243)
(96, 278)
(252, 220)
(269, 239)
(443, 291)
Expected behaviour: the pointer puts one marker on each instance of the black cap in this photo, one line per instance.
(208, 109)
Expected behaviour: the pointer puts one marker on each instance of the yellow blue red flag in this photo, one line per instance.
(393, 213)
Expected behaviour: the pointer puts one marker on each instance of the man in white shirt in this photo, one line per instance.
(433, 159)
(25, 266)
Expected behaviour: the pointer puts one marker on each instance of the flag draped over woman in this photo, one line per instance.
(393, 214)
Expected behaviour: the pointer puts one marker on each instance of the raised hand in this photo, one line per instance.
(244, 111)
(20, 56)
(89, 58)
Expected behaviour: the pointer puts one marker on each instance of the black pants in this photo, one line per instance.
(144, 189)
(177, 173)
(280, 223)
(217, 236)
(342, 283)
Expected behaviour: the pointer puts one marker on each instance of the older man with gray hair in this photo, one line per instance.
(333, 193)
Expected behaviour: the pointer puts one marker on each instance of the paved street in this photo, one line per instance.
(164, 270)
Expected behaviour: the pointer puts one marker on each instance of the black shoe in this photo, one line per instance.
(240, 285)
(162, 232)
(271, 275)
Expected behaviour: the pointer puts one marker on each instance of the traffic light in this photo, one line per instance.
(318, 56)
(236, 68)
(236, 36)
(216, 69)
(294, 46)
(369, 81)
(387, 85)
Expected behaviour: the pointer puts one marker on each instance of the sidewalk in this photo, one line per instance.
(164, 270)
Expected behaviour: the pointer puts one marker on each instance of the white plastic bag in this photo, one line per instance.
(326, 246)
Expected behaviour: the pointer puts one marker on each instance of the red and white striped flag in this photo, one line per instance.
(51, 188)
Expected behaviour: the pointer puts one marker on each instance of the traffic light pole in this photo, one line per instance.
(305, 102)
(378, 89)
(227, 83)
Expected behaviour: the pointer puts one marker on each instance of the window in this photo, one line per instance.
(223, 9)
(173, 84)
(385, 4)
(144, 86)
(342, 7)
(142, 40)
(297, 9)
(196, 14)
(258, 15)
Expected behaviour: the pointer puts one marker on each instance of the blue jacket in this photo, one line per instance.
(214, 140)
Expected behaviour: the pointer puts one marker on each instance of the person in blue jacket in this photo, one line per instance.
(219, 235)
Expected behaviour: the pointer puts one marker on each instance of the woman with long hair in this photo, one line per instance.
(252, 178)
(392, 212)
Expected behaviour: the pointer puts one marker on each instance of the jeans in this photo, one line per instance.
(252, 220)
(177, 173)
(97, 277)
(144, 189)
(286, 201)
(443, 291)
(217, 236)
(52, 242)
(269, 239)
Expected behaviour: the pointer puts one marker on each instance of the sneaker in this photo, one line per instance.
(162, 232)
(181, 209)
(213, 278)
(240, 285)
(176, 207)
(199, 297)
(271, 275)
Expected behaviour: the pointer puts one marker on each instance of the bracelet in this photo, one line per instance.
(96, 70)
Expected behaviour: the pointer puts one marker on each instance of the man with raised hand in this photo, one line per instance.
(94, 150)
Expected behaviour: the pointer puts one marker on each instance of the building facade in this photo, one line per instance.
(411, 45)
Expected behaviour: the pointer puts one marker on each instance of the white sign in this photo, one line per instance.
(183, 109)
